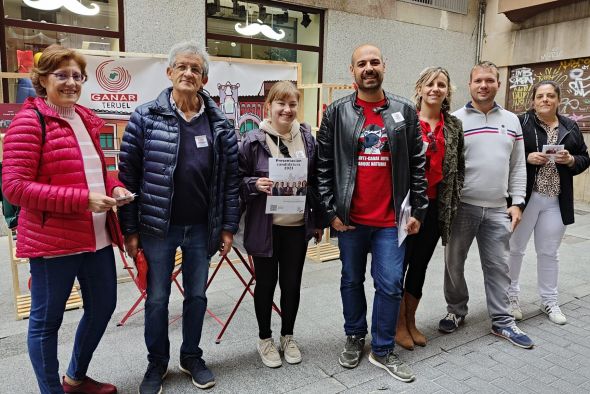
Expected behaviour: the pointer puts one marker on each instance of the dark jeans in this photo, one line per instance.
(387, 265)
(419, 250)
(51, 285)
(286, 267)
(160, 253)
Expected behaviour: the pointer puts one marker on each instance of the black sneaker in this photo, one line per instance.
(153, 379)
(201, 375)
(450, 323)
(353, 350)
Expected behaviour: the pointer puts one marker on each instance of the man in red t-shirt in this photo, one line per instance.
(370, 157)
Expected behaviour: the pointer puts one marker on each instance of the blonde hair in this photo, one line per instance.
(280, 91)
(428, 75)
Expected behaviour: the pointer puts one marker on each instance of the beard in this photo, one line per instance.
(372, 85)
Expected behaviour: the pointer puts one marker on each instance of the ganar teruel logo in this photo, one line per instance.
(113, 80)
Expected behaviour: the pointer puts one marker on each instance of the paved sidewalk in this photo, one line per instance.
(470, 360)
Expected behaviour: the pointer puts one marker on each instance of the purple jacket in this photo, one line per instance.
(253, 164)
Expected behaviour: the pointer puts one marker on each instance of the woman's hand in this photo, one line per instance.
(264, 185)
(537, 158)
(564, 157)
(122, 196)
(98, 203)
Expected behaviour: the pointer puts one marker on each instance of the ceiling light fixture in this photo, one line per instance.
(71, 5)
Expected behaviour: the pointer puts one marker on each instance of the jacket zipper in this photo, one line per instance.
(211, 197)
(355, 137)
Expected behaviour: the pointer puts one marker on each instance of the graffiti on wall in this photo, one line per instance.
(572, 76)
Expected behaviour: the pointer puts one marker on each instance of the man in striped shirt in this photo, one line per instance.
(494, 173)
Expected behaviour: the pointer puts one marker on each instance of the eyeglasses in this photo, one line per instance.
(183, 67)
(77, 77)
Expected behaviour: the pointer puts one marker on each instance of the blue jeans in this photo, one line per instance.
(160, 253)
(51, 285)
(387, 264)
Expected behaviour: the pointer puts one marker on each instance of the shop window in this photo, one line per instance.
(266, 30)
(107, 141)
(83, 24)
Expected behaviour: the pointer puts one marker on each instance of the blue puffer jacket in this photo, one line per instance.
(149, 152)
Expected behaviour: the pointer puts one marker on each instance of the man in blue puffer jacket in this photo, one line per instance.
(179, 154)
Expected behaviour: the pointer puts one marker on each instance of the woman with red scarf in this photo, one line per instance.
(442, 134)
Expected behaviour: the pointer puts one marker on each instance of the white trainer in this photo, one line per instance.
(290, 349)
(515, 308)
(269, 353)
(554, 312)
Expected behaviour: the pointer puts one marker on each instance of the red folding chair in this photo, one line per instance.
(249, 266)
(247, 287)
(142, 293)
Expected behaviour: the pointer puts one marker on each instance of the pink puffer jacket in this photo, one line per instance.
(53, 193)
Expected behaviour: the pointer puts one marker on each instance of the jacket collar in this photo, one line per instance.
(162, 103)
(90, 119)
(358, 107)
(470, 106)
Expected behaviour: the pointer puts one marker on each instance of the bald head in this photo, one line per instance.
(363, 49)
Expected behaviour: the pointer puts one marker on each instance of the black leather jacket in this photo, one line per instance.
(338, 157)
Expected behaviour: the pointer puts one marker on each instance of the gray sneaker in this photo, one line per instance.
(392, 364)
(290, 349)
(269, 353)
(353, 351)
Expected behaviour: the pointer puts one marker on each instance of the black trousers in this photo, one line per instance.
(419, 250)
(286, 267)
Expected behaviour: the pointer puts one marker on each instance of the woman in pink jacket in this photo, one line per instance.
(55, 171)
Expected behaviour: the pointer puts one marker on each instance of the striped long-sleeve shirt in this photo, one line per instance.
(494, 157)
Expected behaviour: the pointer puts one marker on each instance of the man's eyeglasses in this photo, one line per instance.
(77, 77)
(183, 67)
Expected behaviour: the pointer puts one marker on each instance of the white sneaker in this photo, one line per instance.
(554, 312)
(515, 308)
(269, 353)
(290, 349)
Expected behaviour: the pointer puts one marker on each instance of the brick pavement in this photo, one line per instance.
(470, 360)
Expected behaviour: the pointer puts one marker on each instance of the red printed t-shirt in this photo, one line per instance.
(372, 200)
(434, 155)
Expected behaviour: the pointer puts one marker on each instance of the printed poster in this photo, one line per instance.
(289, 176)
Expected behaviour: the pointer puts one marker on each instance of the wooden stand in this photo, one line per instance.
(22, 301)
(325, 250)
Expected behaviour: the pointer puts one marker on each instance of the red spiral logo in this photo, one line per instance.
(113, 80)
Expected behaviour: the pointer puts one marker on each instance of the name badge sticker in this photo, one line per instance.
(300, 154)
(398, 117)
(201, 141)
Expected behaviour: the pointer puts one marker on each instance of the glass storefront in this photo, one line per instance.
(265, 30)
(27, 30)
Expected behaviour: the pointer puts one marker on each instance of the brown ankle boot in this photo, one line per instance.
(411, 305)
(402, 335)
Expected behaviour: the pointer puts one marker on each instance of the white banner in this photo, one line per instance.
(119, 85)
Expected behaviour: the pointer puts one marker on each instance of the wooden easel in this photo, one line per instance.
(324, 250)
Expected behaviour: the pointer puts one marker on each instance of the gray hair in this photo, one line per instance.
(189, 47)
